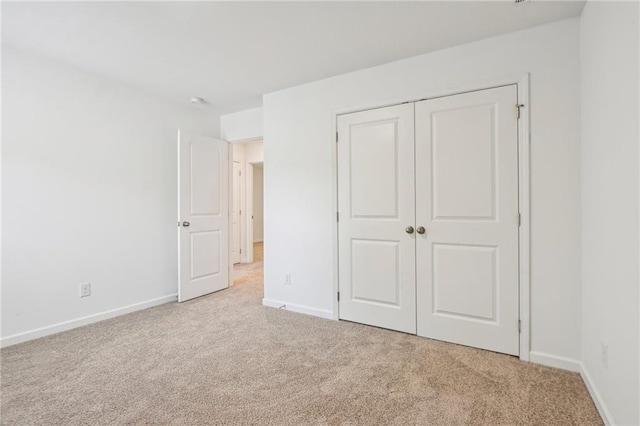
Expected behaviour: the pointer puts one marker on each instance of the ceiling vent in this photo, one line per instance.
(521, 1)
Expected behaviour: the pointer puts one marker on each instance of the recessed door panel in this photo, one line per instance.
(376, 204)
(204, 179)
(464, 281)
(206, 249)
(375, 271)
(467, 201)
(374, 170)
(463, 163)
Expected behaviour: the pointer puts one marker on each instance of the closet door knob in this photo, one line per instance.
(421, 230)
(185, 224)
(409, 229)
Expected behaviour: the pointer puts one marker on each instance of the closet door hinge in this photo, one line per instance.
(519, 326)
(337, 216)
(338, 296)
(519, 219)
(336, 137)
(518, 108)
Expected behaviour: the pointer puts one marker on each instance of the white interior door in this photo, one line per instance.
(203, 186)
(376, 204)
(467, 200)
(236, 238)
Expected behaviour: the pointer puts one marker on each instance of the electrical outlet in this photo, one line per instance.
(604, 354)
(85, 289)
(287, 278)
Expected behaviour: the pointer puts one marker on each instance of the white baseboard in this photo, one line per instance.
(555, 361)
(79, 322)
(595, 395)
(298, 308)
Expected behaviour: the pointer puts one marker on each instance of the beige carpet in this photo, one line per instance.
(225, 359)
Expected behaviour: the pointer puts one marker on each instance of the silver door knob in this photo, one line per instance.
(421, 230)
(185, 224)
(409, 229)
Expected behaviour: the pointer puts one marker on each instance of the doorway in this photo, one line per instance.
(253, 270)
(247, 196)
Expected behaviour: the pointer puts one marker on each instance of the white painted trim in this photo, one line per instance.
(607, 418)
(229, 213)
(298, 308)
(524, 184)
(79, 322)
(335, 266)
(555, 361)
(524, 231)
(248, 192)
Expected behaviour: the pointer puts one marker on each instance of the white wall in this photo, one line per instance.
(89, 194)
(242, 125)
(254, 152)
(258, 211)
(299, 200)
(610, 205)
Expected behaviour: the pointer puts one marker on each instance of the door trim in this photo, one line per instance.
(521, 80)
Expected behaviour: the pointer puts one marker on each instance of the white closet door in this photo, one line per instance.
(376, 204)
(467, 200)
(203, 197)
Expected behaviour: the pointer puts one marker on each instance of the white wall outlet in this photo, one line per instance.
(287, 278)
(604, 354)
(85, 289)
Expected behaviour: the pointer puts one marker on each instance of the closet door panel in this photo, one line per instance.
(376, 202)
(467, 201)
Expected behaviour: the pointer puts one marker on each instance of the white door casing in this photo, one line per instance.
(203, 214)
(236, 237)
(467, 200)
(376, 204)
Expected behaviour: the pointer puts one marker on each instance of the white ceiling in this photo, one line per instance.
(230, 53)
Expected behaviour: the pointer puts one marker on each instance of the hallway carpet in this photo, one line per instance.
(225, 359)
(250, 272)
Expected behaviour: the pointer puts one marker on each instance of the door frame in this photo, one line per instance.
(521, 80)
(250, 208)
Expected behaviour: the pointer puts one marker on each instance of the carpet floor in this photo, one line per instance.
(226, 359)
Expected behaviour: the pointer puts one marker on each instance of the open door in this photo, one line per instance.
(203, 214)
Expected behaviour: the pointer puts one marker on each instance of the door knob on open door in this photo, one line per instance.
(421, 230)
(409, 229)
(186, 224)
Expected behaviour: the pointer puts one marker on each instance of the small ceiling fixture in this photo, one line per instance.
(198, 100)
(521, 1)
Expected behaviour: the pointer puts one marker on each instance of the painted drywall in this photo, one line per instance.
(258, 211)
(610, 205)
(299, 170)
(89, 194)
(242, 125)
(254, 152)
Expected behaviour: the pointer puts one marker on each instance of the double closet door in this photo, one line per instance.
(428, 225)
